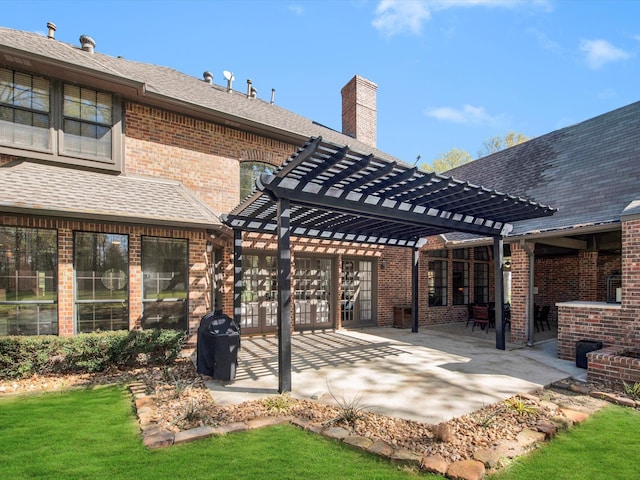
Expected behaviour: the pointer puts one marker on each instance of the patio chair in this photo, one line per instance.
(541, 316)
(469, 314)
(480, 317)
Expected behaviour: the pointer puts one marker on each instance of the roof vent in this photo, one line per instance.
(273, 96)
(251, 92)
(88, 44)
(230, 78)
(208, 77)
(52, 29)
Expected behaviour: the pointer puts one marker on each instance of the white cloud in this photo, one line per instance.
(401, 16)
(469, 115)
(544, 41)
(394, 17)
(599, 52)
(297, 9)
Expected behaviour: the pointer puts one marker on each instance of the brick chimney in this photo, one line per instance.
(359, 110)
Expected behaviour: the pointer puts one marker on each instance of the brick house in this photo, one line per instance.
(113, 177)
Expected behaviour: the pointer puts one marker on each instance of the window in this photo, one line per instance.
(101, 263)
(249, 172)
(165, 268)
(28, 288)
(460, 283)
(58, 121)
(437, 277)
(481, 283)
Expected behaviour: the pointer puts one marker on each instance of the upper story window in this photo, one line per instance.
(58, 121)
(249, 172)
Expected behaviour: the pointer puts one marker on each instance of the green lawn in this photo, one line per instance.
(605, 446)
(93, 434)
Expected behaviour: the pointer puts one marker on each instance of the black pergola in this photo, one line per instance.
(329, 192)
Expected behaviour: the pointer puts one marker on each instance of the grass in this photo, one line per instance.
(92, 433)
(605, 446)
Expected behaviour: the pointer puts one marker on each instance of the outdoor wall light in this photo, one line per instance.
(383, 264)
(209, 247)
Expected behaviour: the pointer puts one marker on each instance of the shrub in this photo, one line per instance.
(88, 352)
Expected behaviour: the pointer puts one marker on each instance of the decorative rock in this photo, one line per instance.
(380, 448)
(150, 429)
(563, 423)
(338, 433)
(548, 428)
(509, 449)
(444, 433)
(602, 395)
(359, 442)
(488, 456)
(528, 438)
(528, 396)
(160, 440)
(625, 402)
(193, 434)
(574, 415)
(405, 457)
(267, 422)
(230, 428)
(435, 464)
(144, 402)
(466, 470)
(578, 388)
(549, 405)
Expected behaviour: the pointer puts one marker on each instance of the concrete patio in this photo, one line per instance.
(431, 376)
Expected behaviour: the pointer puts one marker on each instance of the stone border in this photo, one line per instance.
(474, 469)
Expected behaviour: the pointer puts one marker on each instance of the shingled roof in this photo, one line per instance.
(589, 171)
(34, 189)
(171, 88)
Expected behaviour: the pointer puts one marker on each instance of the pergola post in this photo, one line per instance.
(498, 271)
(284, 296)
(415, 289)
(237, 276)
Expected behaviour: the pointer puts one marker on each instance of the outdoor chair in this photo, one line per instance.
(469, 314)
(480, 317)
(541, 316)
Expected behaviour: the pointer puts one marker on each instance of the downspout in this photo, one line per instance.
(529, 248)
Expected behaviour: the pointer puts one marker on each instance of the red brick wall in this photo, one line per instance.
(611, 365)
(520, 263)
(202, 155)
(631, 264)
(359, 115)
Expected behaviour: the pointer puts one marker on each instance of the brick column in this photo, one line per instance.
(631, 263)
(135, 280)
(588, 276)
(520, 265)
(65, 282)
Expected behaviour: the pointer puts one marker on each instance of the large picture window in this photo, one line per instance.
(58, 121)
(101, 263)
(165, 268)
(28, 287)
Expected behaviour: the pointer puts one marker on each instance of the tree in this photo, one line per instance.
(497, 143)
(446, 161)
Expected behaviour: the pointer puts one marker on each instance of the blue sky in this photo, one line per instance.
(450, 73)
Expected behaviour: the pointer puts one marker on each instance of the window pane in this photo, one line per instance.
(249, 172)
(481, 282)
(28, 281)
(437, 277)
(165, 267)
(461, 253)
(101, 264)
(24, 107)
(460, 283)
(88, 121)
(481, 253)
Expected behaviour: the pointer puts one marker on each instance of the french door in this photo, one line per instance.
(259, 294)
(356, 303)
(312, 293)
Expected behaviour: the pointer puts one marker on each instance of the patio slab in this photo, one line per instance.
(431, 376)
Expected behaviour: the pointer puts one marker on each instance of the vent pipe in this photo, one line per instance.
(208, 77)
(273, 95)
(52, 29)
(248, 87)
(88, 44)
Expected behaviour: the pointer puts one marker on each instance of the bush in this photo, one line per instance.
(88, 352)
